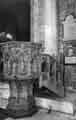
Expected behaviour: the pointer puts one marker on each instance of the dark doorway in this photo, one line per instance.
(15, 18)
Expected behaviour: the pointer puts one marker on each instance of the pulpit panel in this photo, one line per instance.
(20, 59)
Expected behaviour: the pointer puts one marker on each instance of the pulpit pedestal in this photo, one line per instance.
(21, 67)
(21, 101)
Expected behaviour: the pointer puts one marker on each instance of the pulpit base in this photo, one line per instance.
(21, 102)
(21, 113)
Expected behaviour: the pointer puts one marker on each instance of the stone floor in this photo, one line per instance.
(53, 115)
(46, 116)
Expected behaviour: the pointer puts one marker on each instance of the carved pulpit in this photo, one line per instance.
(20, 68)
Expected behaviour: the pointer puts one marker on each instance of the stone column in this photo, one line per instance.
(50, 27)
(34, 21)
(43, 24)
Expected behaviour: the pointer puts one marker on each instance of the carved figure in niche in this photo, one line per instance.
(44, 66)
(11, 65)
(22, 67)
(70, 52)
(52, 69)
